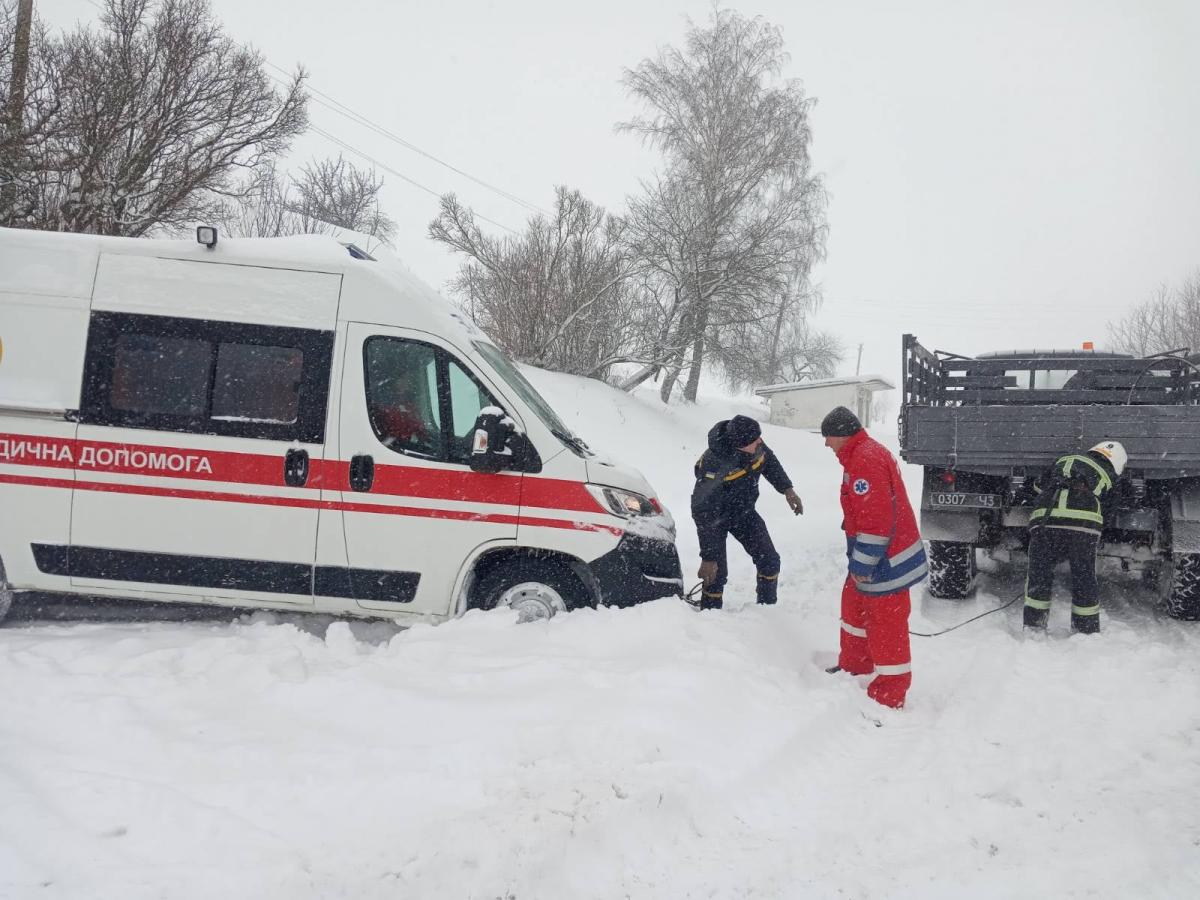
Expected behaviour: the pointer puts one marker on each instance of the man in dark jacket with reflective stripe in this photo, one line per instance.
(1066, 522)
(723, 504)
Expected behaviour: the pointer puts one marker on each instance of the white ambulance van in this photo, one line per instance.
(290, 424)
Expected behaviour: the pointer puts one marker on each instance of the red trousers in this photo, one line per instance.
(875, 639)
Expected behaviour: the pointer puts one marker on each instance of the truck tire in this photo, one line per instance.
(536, 589)
(951, 569)
(6, 594)
(1184, 600)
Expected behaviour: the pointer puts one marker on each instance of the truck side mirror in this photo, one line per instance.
(490, 450)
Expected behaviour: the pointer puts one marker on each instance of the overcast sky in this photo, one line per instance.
(1001, 174)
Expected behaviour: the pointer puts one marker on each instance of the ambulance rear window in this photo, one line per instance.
(256, 383)
(234, 379)
(160, 375)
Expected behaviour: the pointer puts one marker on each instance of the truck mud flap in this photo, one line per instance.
(950, 525)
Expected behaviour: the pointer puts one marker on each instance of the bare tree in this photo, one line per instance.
(29, 114)
(1169, 320)
(784, 348)
(160, 116)
(264, 208)
(737, 217)
(327, 195)
(562, 295)
(333, 192)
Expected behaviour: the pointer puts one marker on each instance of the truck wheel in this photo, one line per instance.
(536, 589)
(6, 595)
(1184, 599)
(951, 569)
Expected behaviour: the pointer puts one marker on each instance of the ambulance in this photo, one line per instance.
(291, 424)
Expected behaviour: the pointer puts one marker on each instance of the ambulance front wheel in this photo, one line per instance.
(535, 589)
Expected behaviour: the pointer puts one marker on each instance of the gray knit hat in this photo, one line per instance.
(840, 423)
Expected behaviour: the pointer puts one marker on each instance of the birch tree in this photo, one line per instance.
(736, 217)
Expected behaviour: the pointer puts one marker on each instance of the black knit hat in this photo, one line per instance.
(840, 423)
(742, 430)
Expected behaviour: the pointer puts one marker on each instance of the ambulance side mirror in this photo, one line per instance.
(490, 450)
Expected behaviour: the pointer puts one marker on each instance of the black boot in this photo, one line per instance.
(1036, 618)
(768, 588)
(712, 600)
(1086, 624)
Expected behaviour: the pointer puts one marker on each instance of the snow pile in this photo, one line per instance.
(648, 753)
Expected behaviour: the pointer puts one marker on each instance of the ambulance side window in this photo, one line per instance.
(420, 400)
(160, 375)
(466, 398)
(206, 377)
(257, 383)
(402, 396)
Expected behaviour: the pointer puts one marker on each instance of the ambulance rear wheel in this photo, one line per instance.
(951, 569)
(1184, 600)
(534, 588)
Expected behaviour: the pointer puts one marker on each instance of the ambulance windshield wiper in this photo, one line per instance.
(572, 441)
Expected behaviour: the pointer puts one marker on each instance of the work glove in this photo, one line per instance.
(1024, 494)
(794, 502)
(708, 572)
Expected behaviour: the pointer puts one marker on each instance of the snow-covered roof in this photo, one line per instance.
(870, 382)
(382, 291)
(306, 251)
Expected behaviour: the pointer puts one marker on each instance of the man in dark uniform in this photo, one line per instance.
(1066, 522)
(723, 504)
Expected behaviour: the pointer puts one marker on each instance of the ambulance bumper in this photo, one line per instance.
(638, 569)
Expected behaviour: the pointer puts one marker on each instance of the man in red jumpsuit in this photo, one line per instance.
(886, 558)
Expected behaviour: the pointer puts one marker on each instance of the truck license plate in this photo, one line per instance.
(957, 498)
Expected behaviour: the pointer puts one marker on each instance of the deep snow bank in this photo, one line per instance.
(652, 752)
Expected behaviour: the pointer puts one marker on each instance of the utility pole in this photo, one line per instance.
(14, 115)
(858, 365)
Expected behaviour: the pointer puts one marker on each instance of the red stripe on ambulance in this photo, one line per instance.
(146, 490)
(233, 467)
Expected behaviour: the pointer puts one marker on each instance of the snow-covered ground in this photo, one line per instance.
(652, 752)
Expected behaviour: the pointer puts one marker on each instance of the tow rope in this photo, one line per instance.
(690, 598)
(968, 621)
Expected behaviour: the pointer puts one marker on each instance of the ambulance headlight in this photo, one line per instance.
(625, 504)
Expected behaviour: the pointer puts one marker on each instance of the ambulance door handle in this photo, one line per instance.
(295, 468)
(362, 473)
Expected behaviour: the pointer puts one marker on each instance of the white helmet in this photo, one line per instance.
(1114, 452)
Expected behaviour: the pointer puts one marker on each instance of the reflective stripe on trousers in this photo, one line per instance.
(874, 640)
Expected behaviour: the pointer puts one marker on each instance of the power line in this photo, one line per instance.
(342, 109)
(385, 167)
(360, 119)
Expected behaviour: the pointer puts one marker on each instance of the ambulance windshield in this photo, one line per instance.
(505, 368)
